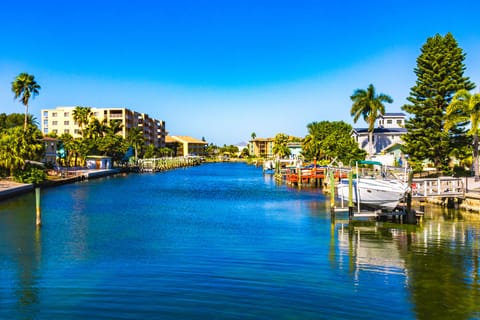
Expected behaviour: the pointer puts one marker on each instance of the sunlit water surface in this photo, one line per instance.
(223, 241)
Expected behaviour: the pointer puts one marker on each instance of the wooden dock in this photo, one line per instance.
(162, 164)
(441, 187)
(308, 176)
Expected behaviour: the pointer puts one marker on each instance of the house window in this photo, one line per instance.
(389, 121)
(399, 122)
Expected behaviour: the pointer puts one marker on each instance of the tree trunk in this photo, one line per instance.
(370, 144)
(26, 116)
(475, 157)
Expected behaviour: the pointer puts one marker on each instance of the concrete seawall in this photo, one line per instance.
(10, 189)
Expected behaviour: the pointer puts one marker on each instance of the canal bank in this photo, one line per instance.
(9, 189)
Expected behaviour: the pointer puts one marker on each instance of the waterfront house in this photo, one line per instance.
(98, 162)
(261, 147)
(50, 155)
(387, 134)
(185, 146)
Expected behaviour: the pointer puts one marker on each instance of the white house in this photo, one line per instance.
(388, 133)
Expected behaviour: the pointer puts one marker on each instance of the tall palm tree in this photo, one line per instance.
(465, 107)
(81, 115)
(136, 139)
(369, 105)
(24, 86)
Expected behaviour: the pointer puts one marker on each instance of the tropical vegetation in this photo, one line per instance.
(369, 105)
(465, 108)
(330, 140)
(25, 87)
(440, 74)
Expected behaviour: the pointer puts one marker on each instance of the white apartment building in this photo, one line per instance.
(60, 120)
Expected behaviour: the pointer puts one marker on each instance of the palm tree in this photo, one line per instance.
(24, 86)
(81, 115)
(280, 147)
(465, 107)
(136, 139)
(253, 135)
(114, 127)
(369, 105)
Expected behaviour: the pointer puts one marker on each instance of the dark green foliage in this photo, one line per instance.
(280, 147)
(439, 74)
(13, 120)
(328, 140)
(29, 175)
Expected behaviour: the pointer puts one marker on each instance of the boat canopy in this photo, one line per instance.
(376, 163)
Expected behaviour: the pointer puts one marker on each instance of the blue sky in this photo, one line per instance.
(224, 69)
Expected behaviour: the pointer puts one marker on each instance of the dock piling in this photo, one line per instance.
(37, 206)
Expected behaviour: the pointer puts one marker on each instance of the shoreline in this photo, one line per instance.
(10, 189)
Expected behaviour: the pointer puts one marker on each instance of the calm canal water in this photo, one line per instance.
(222, 241)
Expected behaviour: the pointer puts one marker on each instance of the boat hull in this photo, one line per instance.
(373, 193)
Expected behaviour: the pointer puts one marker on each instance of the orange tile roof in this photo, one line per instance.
(185, 139)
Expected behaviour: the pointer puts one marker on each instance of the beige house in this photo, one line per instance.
(261, 147)
(185, 146)
(60, 120)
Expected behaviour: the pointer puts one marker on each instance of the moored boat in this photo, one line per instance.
(381, 191)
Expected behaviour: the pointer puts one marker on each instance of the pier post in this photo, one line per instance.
(411, 216)
(350, 195)
(299, 183)
(37, 206)
(332, 192)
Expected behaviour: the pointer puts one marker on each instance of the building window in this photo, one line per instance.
(66, 131)
(45, 114)
(54, 123)
(45, 130)
(54, 114)
(66, 122)
(55, 131)
(45, 122)
(399, 122)
(76, 131)
(389, 121)
(65, 114)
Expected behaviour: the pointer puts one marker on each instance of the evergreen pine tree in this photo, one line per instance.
(439, 74)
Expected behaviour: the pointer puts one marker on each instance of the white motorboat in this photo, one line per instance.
(375, 192)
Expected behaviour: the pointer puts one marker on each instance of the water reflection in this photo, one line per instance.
(22, 246)
(439, 261)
